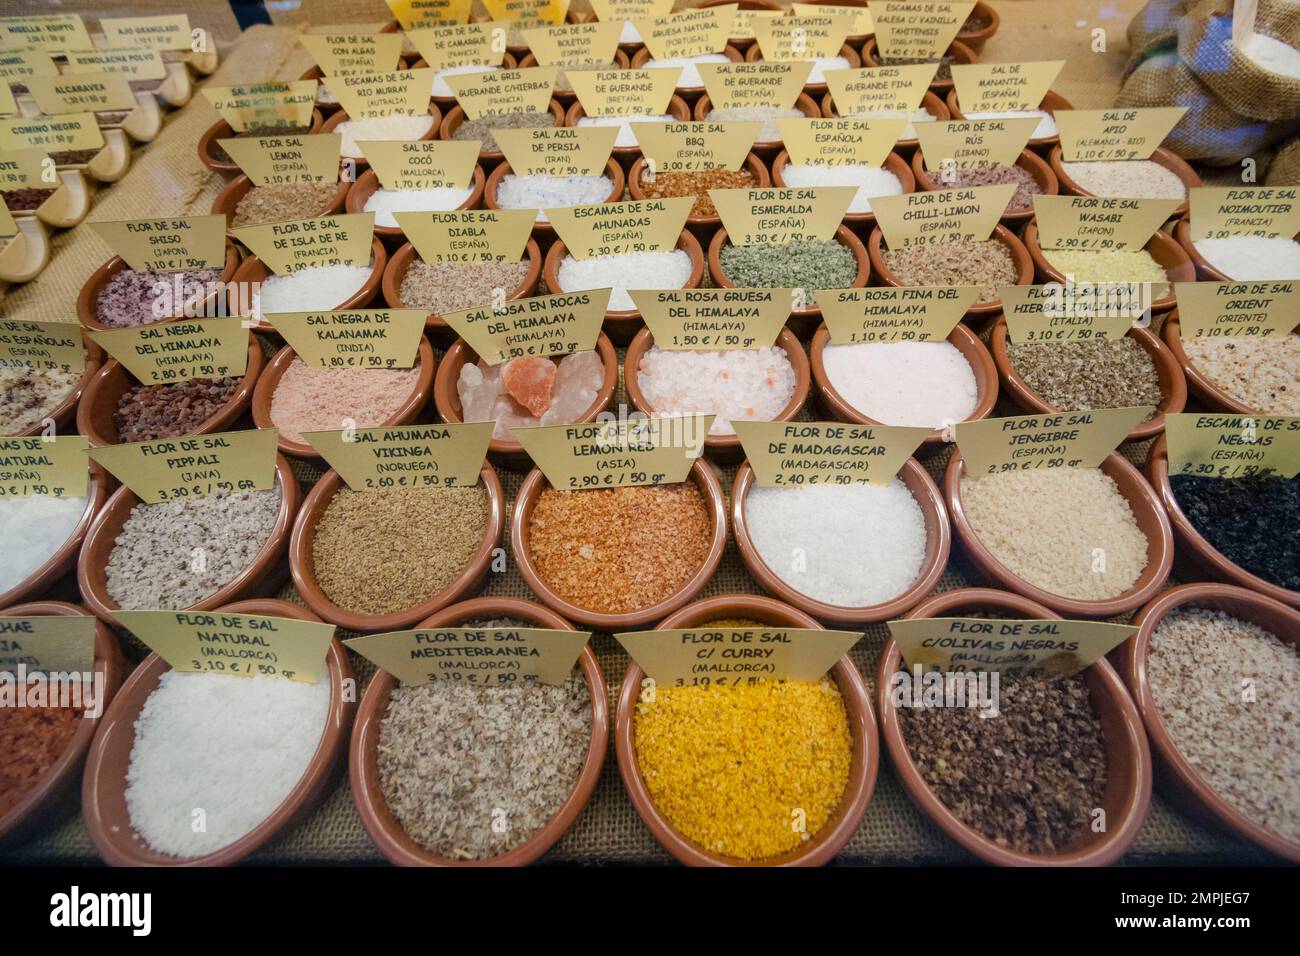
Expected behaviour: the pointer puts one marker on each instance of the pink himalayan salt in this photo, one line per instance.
(738, 384)
(309, 398)
(483, 396)
(529, 381)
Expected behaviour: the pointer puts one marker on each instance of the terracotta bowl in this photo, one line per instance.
(223, 130)
(961, 338)
(367, 792)
(88, 298)
(526, 500)
(1200, 554)
(66, 411)
(406, 412)
(1173, 388)
(367, 185)
(446, 103)
(975, 39)
(1179, 779)
(1200, 384)
(764, 149)
(627, 155)
(755, 55)
(688, 93)
(504, 452)
(1127, 795)
(54, 795)
(859, 221)
(1052, 102)
(622, 60)
(63, 561)
(253, 272)
(488, 159)
(724, 449)
(1020, 257)
(1162, 248)
(702, 227)
(1048, 185)
(442, 334)
(228, 200)
(931, 103)
(303, 566)
(938, 545)
(1148, 513)
(263, 576)
(959, 52)
(542, 229)
(1204, 271)
(622, 324)
(822, 846)
(103, 790)
(1161, 157)
(107, 386)
(802, 322)
(359, 162)
(738, 43)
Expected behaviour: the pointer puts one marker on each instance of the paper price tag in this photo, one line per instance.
(1237, 309)
(896, 89)
(910, 29)
(1022, 647)
(1233, 446)
(714, 319)
(411, 14)
(401, 93)
(167, 245)
(53, 33)
(135, 64)
(48, 644)
(167, 352)
(1217, 213)
(286, 247)
(78, 92)
(894, 313)
(350, 54)
(406, 456)
(48, 345)
(727, 657)
(1096, 135)
(816, 36)
(630, 9)
(974, 144)
(169, 32)
(179, 469)
(619, 228)
(1054, 440)
(673, 147)
(1090, 222)
(478, 235)
(557, 150)
(763, 84)
(54, 134)
(970, 212)
(8, 227)
(466, 44)
(836, 142)
(479, 657)
(544, 325)
(624, 92)
(742, 23)
(615, 454)
(49, 467)
(275, 104)
(293, 158)
(16, 64)
(574, 43)
(357, 338)
(505, 91)
(860, 23)
(688, 33)
(422, 163)
(1044, 313)
(524, 12)
(240, 645)
(993, 87)
(778, 216)
(798, 454)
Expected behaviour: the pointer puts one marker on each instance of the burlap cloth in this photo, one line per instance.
(167, 179)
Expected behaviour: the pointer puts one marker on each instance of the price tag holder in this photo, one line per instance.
(728, 657)
(372, 95)
(968, 212)
(616, 454)
(39, 465)
(294, 158)
(1233, 446)
(52, 33)
(167, 245)
(422, 163)
(1031, 648)
(47, 644)
(778, 216)
(54, 134)
(16, 64)
(860, 23)
(464, 44)
(478, 657)
(836, 142)
(816, 36)
(413, 14)
(356, 338)
(504, 91)
(973, 144)
(352, 54)
(1237, 309)
(1054, 440)
(164, 353)
(197, 466)
(530, 12)
(545, 325)
(881, 89)
(405, 456)
(706, 144)
(168, 32)
(78, 92)
(474, 235)
(574, 43)
(798, 454)
(894, 313)
(714, 319)
(137, 65)
(620, 228)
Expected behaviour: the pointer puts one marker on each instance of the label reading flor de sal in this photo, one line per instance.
(837, 142)
(166, 352)
(621, 228)
(795, 454)
(167, 245)
(688, 33)
(1094, 223)
(880, 89)
(421, 163)
(1220, 445)
(196, 466)
(504, 91)
(545, 325)
(969, 212)
(240, 645)
(574, 43)
(972, 144)
(270, 105)
(615, 454)
(705, 144)
(1054, 440)
(477, 657)
(355, 338)
(1225, 310)
(1269, 211)
(50, 467)
(284, 159)
(770, 84)
(714, 319)
(353, 54)
(729, 656)
(557, 150)
(460, 44)
(905, 28)
(894, 313)
(1036, 648)
(778, 216)
(996, 87)
(617, 92)
(286, 247)
(49, 644)
(54, 134)
(472, 235)
(1115, 135)
(46, 345)
(405, 456)
(1047, 313)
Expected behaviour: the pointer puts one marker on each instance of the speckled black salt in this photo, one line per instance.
(1253, 522)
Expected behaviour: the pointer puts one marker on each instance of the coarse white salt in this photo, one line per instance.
(769, 132)
(323, 287)
(398, 126)
(823, 64)
(690, 75)
(626, 137)
(1272, 54)
(634, 270)
(442, 88)
(551, 192)
(870, 180)
(735, 385)
(915, 384)
(629, 33)
(1247, 258)
(1046, 125)
(34, 529)
(384, 202)
(912, 116)
(232, 748)
(847, 545)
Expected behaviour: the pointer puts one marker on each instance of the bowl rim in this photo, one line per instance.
(754, 55)
(368, 184)
(87, 298)
(805, 103)
(340, 116)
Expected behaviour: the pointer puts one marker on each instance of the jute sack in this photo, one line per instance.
(1285, 168)
(1154, 30)
(1205, 46)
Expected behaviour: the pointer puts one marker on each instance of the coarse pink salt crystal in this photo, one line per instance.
(484, 398)
(529, 380)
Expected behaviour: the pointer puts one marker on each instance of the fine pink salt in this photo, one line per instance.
(310, 398)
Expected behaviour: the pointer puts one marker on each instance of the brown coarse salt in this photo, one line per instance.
(985, 263)
(444, 286)
(283, 202)
(697, 183)
(149, 412)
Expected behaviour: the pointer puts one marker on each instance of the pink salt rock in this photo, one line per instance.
(577, 381)
(529, 382)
